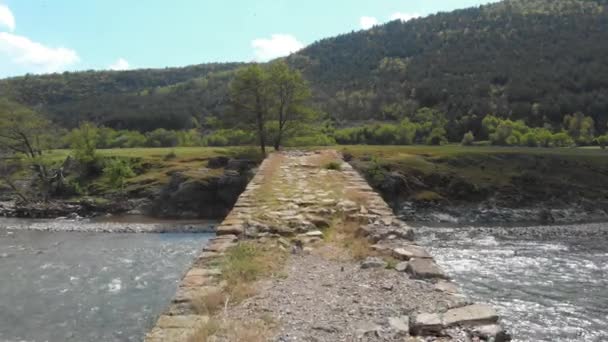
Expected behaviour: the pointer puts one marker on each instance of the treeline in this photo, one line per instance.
(427, 127)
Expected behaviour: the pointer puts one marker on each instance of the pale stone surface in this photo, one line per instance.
(229, 230)
(471, 315)
(446, 286)
(400, 324)
(493, 332)
(424, 268)
(185, 321)
(427, 323)
(401, 267)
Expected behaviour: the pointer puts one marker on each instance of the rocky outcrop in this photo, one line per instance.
(213, 197)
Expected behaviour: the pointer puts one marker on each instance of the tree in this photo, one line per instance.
(117, 172)
(26, 133)
(468, 139)
(22, 130)
(250, 96)
(288, 93)
(84, 141)
(580, 127)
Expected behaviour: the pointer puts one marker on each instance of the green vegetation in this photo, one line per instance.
(511, 176)
(271, 101)
(333, 166)
(538, 61)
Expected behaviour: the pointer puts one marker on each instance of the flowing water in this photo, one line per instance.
(548, 283)
(78, 286)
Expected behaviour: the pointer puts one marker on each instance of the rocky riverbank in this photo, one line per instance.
(207, 192)
(475, 185)
(107, 225)
(486, 214)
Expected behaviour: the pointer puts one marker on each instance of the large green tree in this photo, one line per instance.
(250, 96)
(289, 93)
(272, 98)
(25, 134)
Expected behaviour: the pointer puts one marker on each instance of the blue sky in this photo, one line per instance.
(41, 36)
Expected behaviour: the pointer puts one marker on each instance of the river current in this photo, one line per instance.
(77, 286)
(548, 283)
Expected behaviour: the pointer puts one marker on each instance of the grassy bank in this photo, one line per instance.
(193, 181)
(511, 176)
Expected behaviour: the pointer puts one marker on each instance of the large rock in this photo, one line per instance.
(424, 269)
(492, 332)
(446, 286)
(409, 252)
(427, 324)
(373, 262)
(476, 314)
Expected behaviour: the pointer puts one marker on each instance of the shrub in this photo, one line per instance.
(468, 139)
(562, 139)
(530, 140)
(161, 138)
(84, 143)
(229, 137)
(117, 172)
(170, 156)
(333, 166)
(602, 141)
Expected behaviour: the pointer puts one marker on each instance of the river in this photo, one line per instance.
(79, 286)
(548, 283)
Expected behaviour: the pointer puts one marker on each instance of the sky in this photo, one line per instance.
(46, 36)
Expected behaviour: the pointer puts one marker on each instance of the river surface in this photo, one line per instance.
(548, 283)
(79, 286)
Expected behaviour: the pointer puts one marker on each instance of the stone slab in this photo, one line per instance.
(476, 314)
(425, 269)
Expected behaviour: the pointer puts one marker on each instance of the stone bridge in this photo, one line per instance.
(369, 282)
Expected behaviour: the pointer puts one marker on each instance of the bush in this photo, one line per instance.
(161, 138)
(170, 156)
(530, 140)
(229, 137)
(84, 143)
(562, 139)
(318, 139)
(468, 139)
(117, 171)
(602, 141)
(333, 166)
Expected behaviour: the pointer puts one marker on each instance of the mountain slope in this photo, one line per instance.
(532, 59)
(526, 59)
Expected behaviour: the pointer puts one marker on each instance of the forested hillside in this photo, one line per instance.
(536, 60)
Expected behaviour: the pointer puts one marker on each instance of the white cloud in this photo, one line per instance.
(7, 19)
(368, 22)
(278, 45)
(120, 64)
(34, 56)
(404, 16)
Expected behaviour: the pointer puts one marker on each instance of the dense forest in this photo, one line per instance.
(538, 61)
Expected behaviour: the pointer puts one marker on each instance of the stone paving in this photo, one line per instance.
(397, 294)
